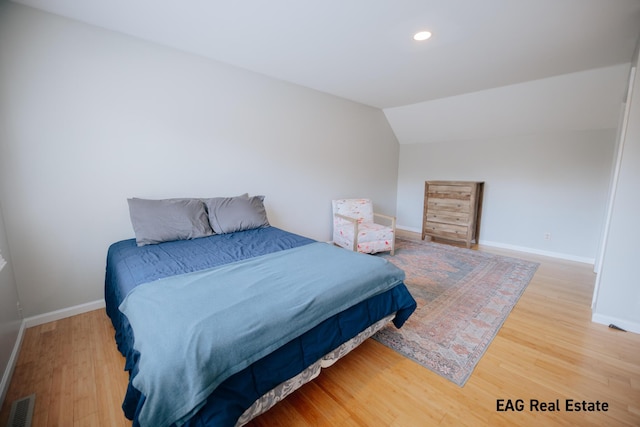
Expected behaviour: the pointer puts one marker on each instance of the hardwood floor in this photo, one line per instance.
(75, 370)
(548, 349)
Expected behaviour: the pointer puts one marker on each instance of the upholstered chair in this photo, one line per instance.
(354, 227)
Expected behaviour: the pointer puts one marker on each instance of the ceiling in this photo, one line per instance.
(363, 50)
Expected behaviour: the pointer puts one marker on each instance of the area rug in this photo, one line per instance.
(463, 295)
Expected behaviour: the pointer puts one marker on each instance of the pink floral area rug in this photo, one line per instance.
(464, 296)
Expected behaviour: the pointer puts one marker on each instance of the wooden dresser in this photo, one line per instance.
(452, 210)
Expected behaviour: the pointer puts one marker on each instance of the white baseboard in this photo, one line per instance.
(8, 372)
(624, 324)
(558, 255)
(412, 229)
(63, 313)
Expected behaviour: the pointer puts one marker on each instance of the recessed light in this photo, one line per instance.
(422, 35)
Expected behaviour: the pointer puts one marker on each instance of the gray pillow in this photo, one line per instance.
(156, 221)
(229, 214)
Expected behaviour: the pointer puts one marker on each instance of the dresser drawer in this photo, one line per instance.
(459, 192)
(448, 217)
(446, 231)
(448, 205)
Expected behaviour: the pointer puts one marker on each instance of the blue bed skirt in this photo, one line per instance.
(129, 265)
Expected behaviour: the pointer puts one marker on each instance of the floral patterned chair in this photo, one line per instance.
(354, 227)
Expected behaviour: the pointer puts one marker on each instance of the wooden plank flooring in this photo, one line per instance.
(547, 349)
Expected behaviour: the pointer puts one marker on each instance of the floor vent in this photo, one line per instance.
(22, 411)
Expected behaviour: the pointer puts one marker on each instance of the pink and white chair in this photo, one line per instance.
(354, 227)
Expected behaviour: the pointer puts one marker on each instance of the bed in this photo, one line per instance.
(276, 307)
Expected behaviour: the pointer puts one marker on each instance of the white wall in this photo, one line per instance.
(618, 297)
(89, 117)
(534, 184)
(10, 319)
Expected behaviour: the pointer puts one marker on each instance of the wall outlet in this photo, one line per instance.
(547, 236)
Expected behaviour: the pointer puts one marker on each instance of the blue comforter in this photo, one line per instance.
(129, 265)
(192, 313)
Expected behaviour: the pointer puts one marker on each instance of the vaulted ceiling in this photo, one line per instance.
(363, 50)
(492, 68)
